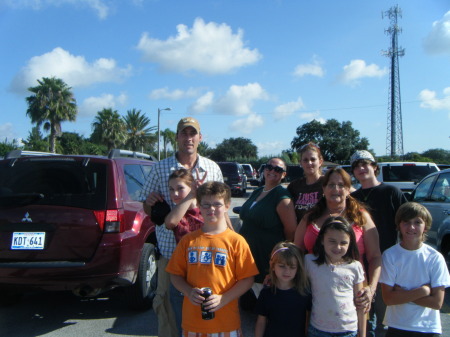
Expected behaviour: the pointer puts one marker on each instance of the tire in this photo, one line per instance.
(140, 295)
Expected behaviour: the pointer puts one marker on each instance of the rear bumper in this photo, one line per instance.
(115, 263)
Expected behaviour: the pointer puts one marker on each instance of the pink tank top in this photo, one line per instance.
(312, 232)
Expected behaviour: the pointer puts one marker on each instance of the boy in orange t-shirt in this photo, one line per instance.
(215, 257)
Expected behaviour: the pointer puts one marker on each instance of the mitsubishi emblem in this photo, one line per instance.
(27, 218)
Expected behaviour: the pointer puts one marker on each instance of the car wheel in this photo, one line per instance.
(140, 295)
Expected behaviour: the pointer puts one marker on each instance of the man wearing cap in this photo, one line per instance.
(156, 189)
(383, 202)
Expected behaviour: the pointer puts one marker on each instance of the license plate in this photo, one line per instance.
(28, 240)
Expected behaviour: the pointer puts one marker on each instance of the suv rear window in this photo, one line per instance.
(228, 168)
(61, 181)
(393, 173)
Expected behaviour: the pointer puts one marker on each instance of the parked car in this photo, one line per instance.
(405, 175)
(293, 172)
(249, 172)
(234, 176)
(434, 193)
(443, 166)
(75, 222)
(348, 169)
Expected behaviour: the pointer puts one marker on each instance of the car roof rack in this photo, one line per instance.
(22, 153)
(117, 153)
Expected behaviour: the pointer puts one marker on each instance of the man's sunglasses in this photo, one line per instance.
(277, 169)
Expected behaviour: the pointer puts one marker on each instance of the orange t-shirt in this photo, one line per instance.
(215, 261)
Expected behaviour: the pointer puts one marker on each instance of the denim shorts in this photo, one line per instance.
(313, 332)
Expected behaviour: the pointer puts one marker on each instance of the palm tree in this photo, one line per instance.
(51, 104)
(109, 129)
(139, 134)
(168, 138)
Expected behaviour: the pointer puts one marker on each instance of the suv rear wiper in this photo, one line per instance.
(19, 199)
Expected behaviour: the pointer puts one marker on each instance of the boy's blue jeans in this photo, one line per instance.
(313, 332)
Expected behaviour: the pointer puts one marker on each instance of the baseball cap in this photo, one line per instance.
(361, 155)
(188, 121)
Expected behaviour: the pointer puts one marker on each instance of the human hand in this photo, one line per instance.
(195, 296)
(213, 302)
(199, 178)
(153, 198)
(364, 298)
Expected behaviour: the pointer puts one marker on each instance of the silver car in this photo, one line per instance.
(434, 193)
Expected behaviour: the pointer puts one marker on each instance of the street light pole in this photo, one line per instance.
(159, 131)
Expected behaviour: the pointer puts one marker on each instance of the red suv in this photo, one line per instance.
(75, 222)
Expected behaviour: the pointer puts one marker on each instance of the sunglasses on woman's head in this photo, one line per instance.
(277, 169)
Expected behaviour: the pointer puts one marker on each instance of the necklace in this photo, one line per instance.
(339, 214)
(265, 191)
(365, 197)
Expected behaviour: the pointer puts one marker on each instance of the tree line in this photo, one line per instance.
(52, 102)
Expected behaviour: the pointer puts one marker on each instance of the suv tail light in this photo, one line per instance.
(110, 221)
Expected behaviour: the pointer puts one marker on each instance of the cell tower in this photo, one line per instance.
(394, 137)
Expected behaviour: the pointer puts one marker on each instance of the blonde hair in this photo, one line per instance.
(288, 253)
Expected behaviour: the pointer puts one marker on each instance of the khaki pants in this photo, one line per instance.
(161, 303)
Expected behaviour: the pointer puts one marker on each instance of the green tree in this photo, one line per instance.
(35, 141)
(337, 141)
(109, 129)
(7, 146)
(439, 156)
(239, 149)
(204, 149)
(138, 130)
(51, 104)
(168, 137)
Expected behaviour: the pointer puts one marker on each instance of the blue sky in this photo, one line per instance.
(253, 69)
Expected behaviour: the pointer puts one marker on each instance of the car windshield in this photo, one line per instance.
(53, 181)
(393, 173)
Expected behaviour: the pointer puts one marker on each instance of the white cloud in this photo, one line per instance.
(209, 48)
(92, 105)
(247, 125)
(271, 148)
(75, 71)
(239, 100)
(6, 130)
(202, 103)
(287, 109)
(430, 101)
(174, 95)
(310, 116)
(100, 7)
(358, 69)
(313, 69)
(438, 40)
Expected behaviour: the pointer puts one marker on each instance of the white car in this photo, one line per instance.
(405, 175)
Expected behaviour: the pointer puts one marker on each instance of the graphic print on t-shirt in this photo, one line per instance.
(305, 201)
(207, 256)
